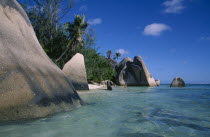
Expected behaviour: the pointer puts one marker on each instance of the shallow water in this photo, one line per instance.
(127, 112)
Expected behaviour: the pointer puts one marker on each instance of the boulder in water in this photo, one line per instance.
(178, 82)
(31, 85)
(134, 73)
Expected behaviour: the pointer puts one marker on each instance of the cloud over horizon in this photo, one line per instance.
(122, 51)
(173, 6)
(95, 21)
(155, 29)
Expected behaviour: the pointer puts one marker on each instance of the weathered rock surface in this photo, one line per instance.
(31, 85)
(109, 87)
(76, 72)
(134, 73)
(178, 82)
(157, 82)
(123, 63)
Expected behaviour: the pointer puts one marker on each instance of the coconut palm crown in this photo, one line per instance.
(117, 55)
(109, 54)
(76, 31)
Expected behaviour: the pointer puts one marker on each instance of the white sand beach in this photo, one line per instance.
(94, 86)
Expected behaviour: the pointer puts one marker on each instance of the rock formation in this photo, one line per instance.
(178, 82)
(76, 72)
(109, 87)
(31, 85)
(134, 73)
(157, 82)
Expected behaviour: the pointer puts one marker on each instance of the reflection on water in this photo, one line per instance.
(126, 112)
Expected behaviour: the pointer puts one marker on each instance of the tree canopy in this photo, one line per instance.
(61, 40)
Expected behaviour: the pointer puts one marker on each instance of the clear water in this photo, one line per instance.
(127, 112)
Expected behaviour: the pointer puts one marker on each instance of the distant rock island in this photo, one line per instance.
(133, 73)
(178, 82)
(31, 85)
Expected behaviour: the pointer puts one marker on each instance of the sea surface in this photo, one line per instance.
(126, 112)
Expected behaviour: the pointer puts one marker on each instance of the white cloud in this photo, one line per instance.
(155, 29)
(122, 51)
(95, 21)
(83, 8)
(173, 6)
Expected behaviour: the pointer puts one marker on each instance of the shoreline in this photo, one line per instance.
(96, 86)
(92, 88)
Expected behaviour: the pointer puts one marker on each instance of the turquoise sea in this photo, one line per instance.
(126, 112)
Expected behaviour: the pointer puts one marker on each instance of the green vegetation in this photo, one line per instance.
(117, 55)
(109, 54)
(62, 40)
(98, 67)
(76, 30)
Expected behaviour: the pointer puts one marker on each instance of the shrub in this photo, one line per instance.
(97, 66)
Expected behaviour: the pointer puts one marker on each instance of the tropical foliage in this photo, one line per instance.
(98, 67)
(76, 30)
(62, 40)
(117, 55)
(109, 54)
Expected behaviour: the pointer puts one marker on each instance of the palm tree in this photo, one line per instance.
(109, 54)
(76, 31)
(117, 55)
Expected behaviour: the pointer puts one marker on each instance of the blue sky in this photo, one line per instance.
(172, 36)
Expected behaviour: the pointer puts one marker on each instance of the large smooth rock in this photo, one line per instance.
(134, 73)
(178, 82)
(121, 71)
(145, 76)
(31, 85)
(123, 63)
(76, 72)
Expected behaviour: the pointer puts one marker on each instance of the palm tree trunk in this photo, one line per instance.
(63, 54)
(74, 46)
(70, 44)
